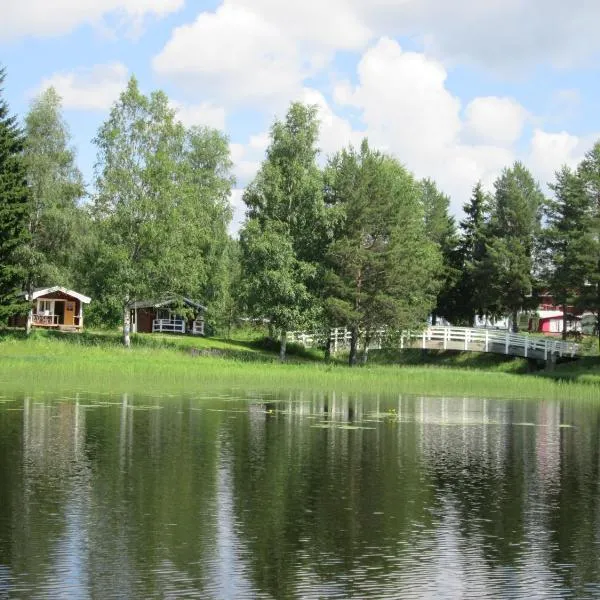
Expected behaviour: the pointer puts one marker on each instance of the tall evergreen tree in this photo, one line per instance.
(441, 229)
(14, 202)
(56, 186)
(381, 266)
(473, 285)
(571, 249)
(511, 247)
(280, 240)
(589, 171)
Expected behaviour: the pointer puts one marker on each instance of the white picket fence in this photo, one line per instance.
(449, 338)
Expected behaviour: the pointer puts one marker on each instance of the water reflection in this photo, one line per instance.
(298, 496)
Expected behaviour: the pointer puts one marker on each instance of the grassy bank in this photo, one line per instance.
(169, 364)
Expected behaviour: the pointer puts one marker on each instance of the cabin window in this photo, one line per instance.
(70, 306)
(46, 307)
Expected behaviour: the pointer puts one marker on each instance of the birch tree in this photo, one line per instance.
(280, 240)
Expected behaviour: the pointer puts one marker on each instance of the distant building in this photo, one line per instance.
(173, 315)
(54, 308)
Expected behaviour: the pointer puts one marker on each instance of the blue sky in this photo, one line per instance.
(455, 92)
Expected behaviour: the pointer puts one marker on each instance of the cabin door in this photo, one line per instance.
(69, 313)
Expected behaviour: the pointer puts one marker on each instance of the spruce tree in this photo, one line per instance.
(14, 199)
(441, 229)
(473, 285)
(511, 247)
(589, 171)
(571, 249)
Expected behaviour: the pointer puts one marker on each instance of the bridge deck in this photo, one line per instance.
(453, 338)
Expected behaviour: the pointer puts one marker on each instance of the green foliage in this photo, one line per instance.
(509, 264)
(589, 172)
(56, 223)
(280, 242)
(14, 202)
(380, 266)
(571, 249)
(162, 205)
(440, 227)
(473, 287)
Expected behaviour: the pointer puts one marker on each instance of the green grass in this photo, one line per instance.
(97, 363)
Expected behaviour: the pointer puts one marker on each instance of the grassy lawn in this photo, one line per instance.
(96, 362)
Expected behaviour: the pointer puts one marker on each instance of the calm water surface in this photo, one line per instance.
(298, 496)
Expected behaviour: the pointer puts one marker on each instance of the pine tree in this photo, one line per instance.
(381, 265)
(571, 249)
(14, 198)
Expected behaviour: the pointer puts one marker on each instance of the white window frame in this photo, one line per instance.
(45, 307)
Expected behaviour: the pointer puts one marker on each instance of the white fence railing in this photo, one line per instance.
(463, 338)
(168, 326)
(198, 327)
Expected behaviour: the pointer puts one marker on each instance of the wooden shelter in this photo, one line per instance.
(172, 315)
(54, 308)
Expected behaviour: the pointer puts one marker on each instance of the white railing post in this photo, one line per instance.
(526, 345)
(446, 338)
(423, 343)
(507, 342)
(487, 340)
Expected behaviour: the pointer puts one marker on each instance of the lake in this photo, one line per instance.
(292, 495)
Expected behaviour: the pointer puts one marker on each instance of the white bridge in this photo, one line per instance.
(450, 338)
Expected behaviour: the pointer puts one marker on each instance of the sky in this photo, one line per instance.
(455, 90)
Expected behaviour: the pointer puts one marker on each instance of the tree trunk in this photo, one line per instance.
(328, 349)
(433, 319)
(564, 327)
(353, 347)
(365, 354)
(282, 346)
(271, 331)
(515, 322)
(29, 322)
(126, 326)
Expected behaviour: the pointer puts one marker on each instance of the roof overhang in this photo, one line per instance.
(166, 302)
(52, 290)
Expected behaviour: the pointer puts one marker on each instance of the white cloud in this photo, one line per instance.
(235, 55)
(408, 111)
(333, 24)
(95, 88)
(550, 151)
(203, 114)
(239, 211)
(335, 132)
(495, 120)
(246, 158)
(45, 18)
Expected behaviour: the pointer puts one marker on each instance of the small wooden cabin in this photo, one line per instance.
(151, 316)
(54, 308)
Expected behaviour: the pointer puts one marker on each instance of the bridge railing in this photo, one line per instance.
(465, 338)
